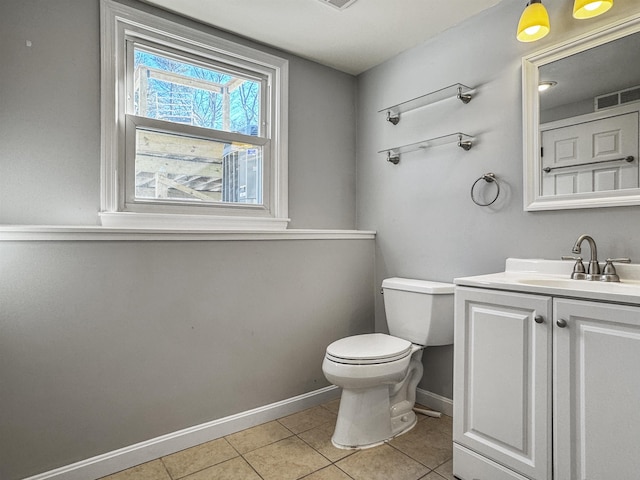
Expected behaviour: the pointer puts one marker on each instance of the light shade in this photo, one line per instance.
(534, 22)
(590, 8)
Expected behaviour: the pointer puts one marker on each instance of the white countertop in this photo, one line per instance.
(553, 277)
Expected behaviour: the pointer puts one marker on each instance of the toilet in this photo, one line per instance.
(379, 373)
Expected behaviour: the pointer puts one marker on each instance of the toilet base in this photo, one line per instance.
(364, 420)
(403, 418)
(371, 416)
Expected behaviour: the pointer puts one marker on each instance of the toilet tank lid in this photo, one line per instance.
(420, 286)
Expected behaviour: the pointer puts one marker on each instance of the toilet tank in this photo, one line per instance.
(420, 311)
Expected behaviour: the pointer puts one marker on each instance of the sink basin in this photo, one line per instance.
(553, 277)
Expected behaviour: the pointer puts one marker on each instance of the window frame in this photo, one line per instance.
(121, 28)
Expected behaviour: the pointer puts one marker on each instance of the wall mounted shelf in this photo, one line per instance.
(463, 140)
(457, 90)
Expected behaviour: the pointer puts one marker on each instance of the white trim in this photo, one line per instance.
(26, 233)
(532, 199)
(146, 451)
(592, 116)
(614, 198)
(117, 21)
(435, 401)
(168, 221)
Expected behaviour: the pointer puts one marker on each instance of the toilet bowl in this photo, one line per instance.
(365, 418)
(379, 373)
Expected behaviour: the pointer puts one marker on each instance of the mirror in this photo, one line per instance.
(581, 136)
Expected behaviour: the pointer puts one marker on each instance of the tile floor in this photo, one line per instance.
(299, 446)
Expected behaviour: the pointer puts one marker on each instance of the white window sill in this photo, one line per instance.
(24, 233)
(160, 221)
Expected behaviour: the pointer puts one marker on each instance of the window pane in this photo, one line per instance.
(177, 168)
(182, 92)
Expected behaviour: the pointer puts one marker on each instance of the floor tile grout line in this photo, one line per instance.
(238, 454)
(265, 445)
(407, 455)
(447, 460)
(434, 472)
(431, 469)
(342, 470)
(283, 425)
(164, 465)
(282, 439)
(322, 454)
(310, 428)
(252, 467)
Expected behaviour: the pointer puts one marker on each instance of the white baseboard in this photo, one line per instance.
(435, 401)
(146, 451)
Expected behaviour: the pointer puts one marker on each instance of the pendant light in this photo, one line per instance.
(534, 22)
(590, 8)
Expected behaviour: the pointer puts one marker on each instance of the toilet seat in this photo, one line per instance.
(367, 349)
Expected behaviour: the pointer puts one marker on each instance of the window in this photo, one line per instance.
(194, 127)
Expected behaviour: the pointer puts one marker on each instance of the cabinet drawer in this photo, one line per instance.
(468, 465)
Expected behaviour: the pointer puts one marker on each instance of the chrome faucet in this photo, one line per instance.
(593, 272)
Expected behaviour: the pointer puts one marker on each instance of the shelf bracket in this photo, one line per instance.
(395, 159)
(394, 119)
(463, 97)
(465, 145)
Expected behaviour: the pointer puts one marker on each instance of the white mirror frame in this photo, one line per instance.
(533, 200)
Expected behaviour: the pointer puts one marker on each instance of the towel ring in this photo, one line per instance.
(489, 178)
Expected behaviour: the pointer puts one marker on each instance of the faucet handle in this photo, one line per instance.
(619, 260)
(609, 273)
(579, 272)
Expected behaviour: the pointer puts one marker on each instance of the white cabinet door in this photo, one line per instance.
(502, 379)
(596, 391)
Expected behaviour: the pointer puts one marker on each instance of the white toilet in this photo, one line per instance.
(379, 373)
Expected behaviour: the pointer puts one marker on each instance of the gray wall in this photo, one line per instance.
(50, 118)
(426, 223)
(104, 344)
(107, 344)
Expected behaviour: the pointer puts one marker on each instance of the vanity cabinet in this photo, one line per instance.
(545, 388)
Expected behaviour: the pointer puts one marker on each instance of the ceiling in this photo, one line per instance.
(352, 40)
(599, 70)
